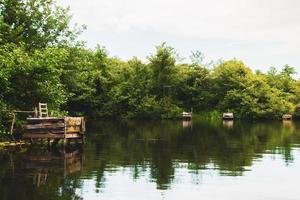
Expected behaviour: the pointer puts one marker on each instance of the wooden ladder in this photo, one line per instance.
(43, 110)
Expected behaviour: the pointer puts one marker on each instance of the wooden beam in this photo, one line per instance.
(48, 119)
(44, 126)
(42, 136)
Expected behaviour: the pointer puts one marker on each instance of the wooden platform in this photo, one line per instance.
(55, 128)
(287, 117)
(187, 115)
(227, 116)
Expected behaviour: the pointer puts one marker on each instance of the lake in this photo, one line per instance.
(203, 159)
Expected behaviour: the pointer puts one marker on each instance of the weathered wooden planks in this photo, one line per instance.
(43, 136)
(54, 128)
(75, 124)
(44, 119)
(44, 126)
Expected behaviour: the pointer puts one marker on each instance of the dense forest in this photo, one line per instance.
(42, 59)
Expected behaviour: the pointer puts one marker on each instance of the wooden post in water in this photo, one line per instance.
(14, 119)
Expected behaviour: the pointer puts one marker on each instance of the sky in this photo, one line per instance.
(262, 33)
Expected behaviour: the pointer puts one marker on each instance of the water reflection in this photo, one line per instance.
(162, 154)
(38, 164)
(227, 123)
(39, 170)
(187, 123)
(160, 146)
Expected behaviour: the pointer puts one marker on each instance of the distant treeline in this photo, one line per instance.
(42, 60)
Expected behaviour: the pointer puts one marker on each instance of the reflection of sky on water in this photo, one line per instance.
(268, 178)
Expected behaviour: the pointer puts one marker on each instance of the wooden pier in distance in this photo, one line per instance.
(54, 128)
(227, 116)
(287, 117)
(187, 115)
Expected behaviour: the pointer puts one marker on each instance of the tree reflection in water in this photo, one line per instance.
(152, 149)
(160, 145)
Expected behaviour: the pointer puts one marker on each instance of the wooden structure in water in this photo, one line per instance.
(55, 128)
(287, 117)
(227, 116)
(187, 115)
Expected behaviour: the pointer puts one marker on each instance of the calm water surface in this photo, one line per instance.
(162, 160)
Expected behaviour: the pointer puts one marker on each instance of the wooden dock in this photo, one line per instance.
(54, 128)
(187, 115)
(287, 117)
(227, 116)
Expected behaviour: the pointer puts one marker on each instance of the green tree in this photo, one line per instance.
(229, 75)
(32, 78)
(163, 66)
(35, 23)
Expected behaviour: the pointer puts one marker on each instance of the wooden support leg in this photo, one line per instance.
(65, 142)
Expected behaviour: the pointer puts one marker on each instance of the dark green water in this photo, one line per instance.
(162, 160)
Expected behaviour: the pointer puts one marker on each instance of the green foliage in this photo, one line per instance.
(30, 79)
(163, 66)
(40, 62)
(192, 87)
(36, 23)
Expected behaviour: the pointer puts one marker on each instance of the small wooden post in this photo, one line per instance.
(65, 132)
(36, 112)
(82, 129)
(12, 125)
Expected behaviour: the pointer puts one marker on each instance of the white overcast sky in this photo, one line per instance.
(262, 33)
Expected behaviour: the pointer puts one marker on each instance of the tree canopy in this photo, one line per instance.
(42, 60)
(35, 23)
